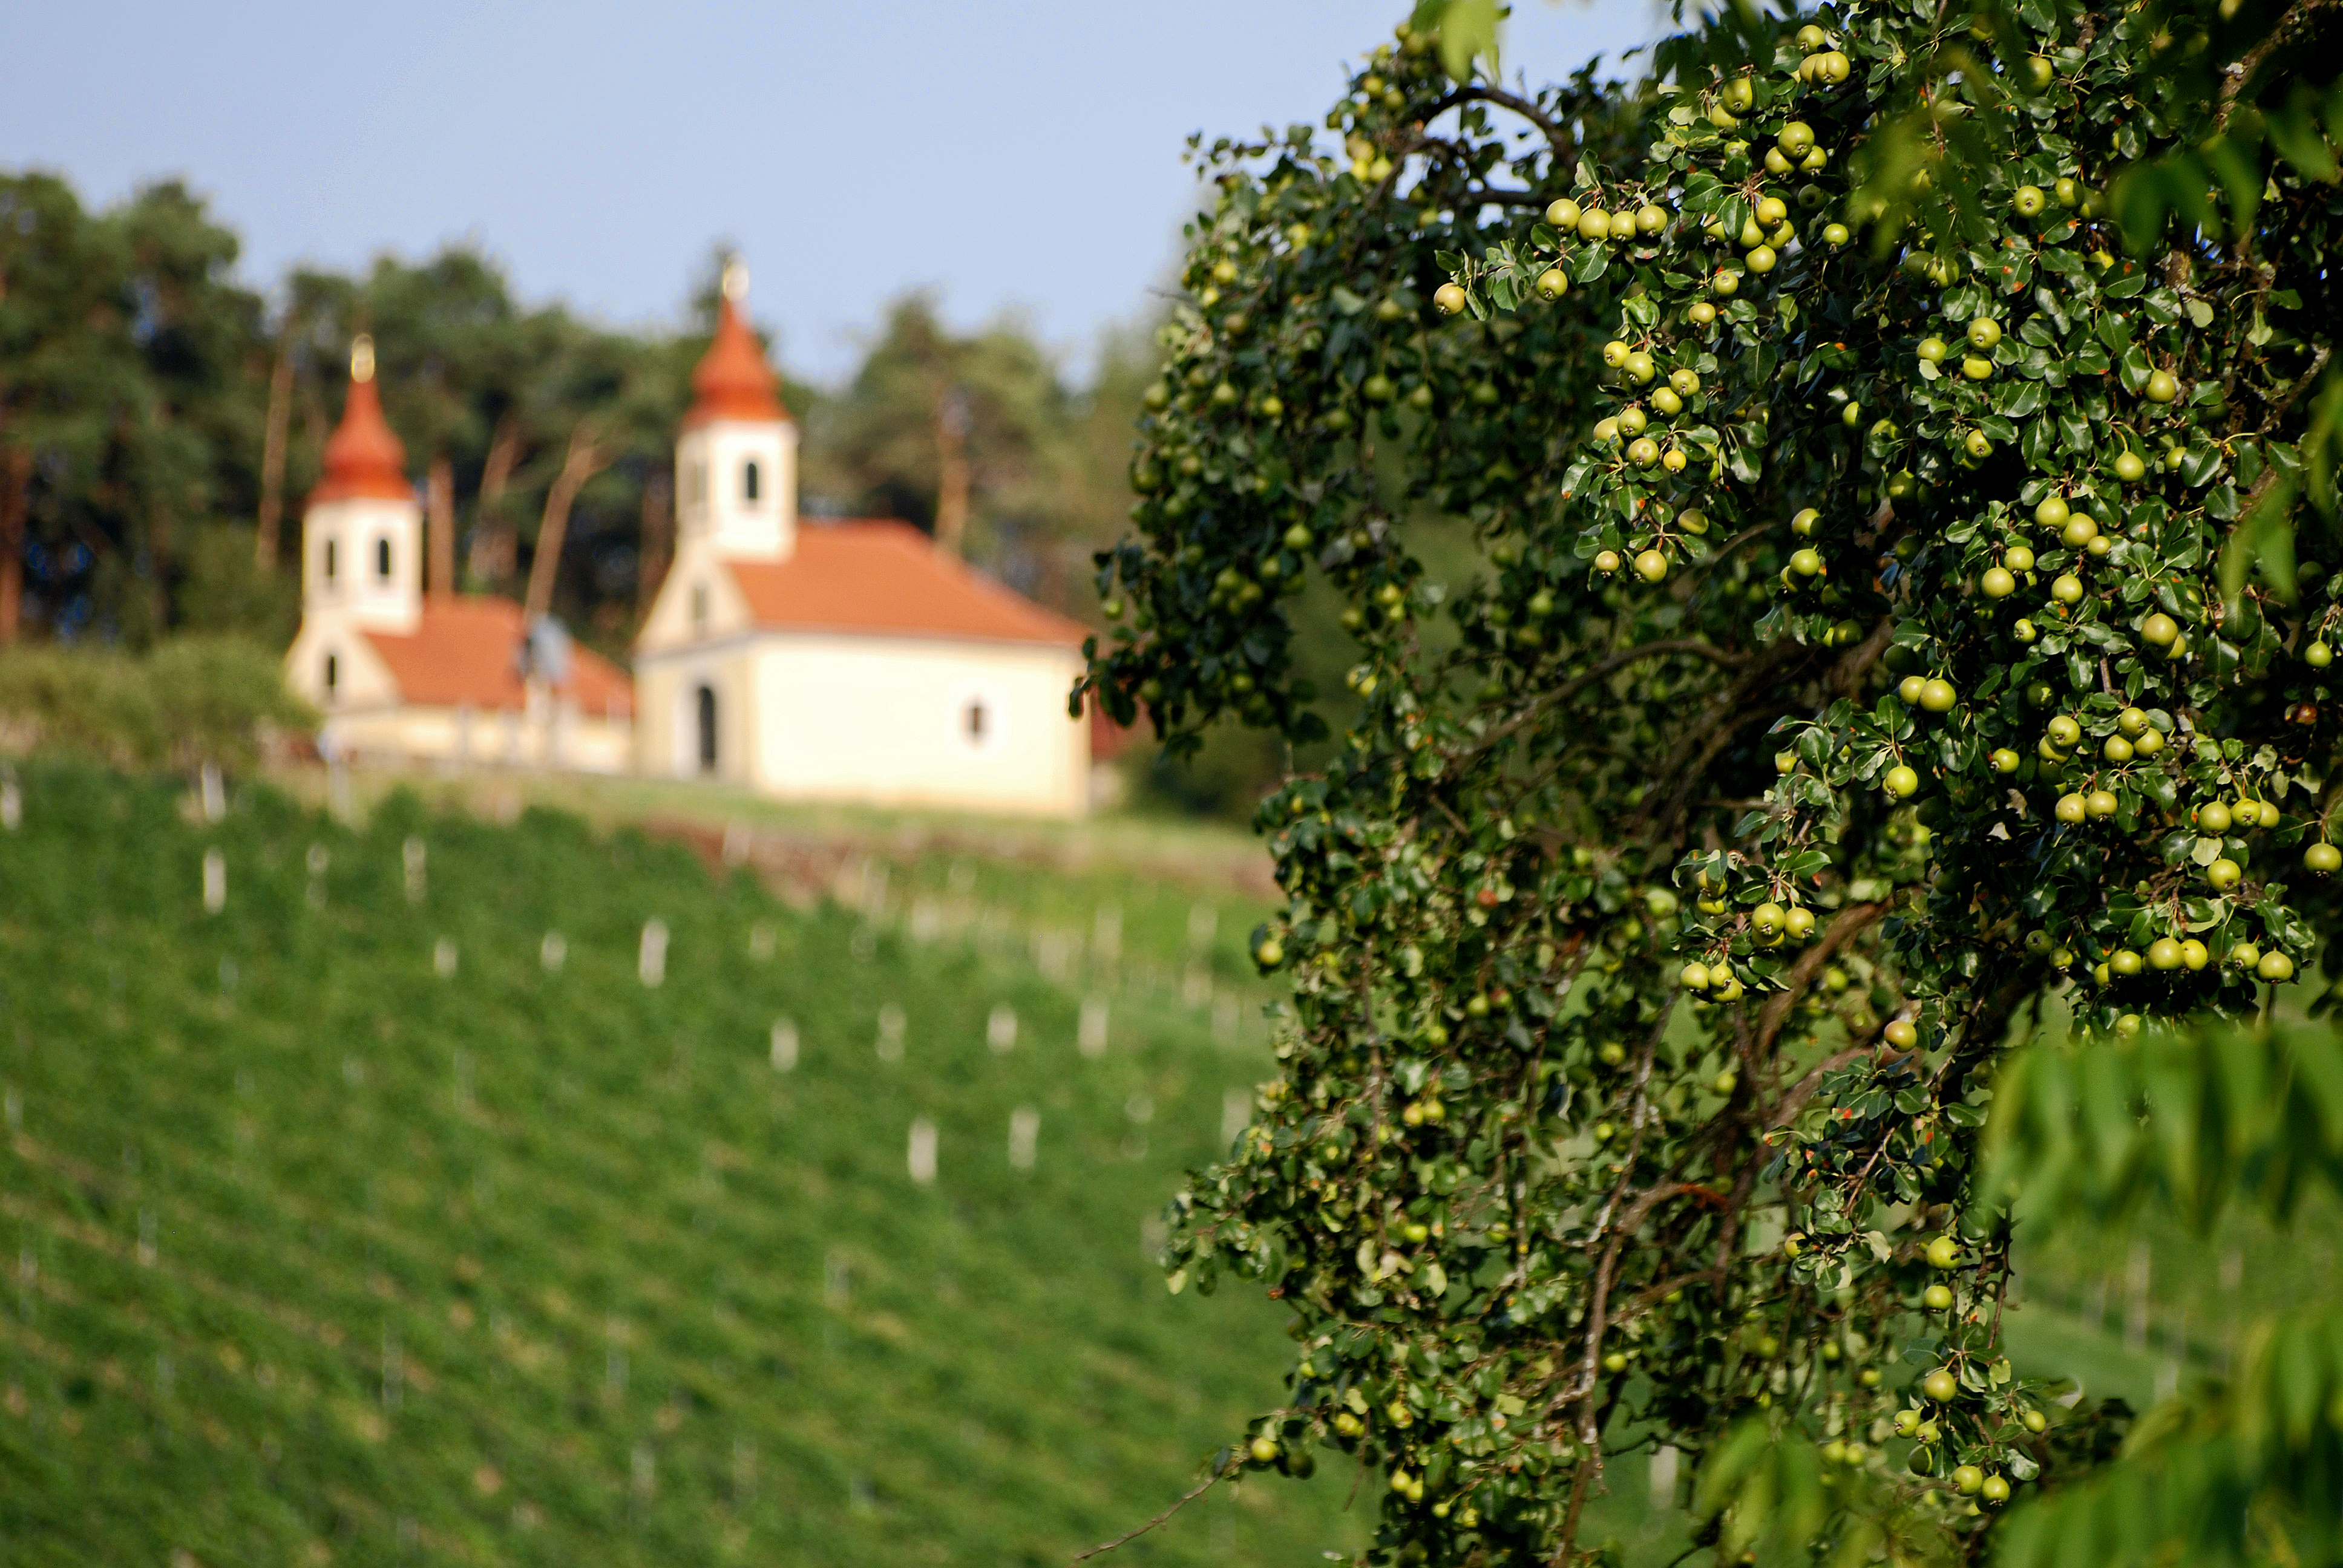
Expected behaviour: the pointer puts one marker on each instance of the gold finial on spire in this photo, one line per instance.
(736, 279)
(362, 358)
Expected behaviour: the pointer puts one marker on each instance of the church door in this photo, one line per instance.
(708, 729)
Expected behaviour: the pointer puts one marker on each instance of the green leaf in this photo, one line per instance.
(1468, 31)
(2293, 129)
(2263, 538)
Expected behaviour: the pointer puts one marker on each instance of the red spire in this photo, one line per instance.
(732, 381)
(363, 458)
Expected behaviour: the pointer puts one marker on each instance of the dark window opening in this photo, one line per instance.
(329, 561)
(748, 482)
(708, 729)
(975, 721)
(382, 558)
(333, 672)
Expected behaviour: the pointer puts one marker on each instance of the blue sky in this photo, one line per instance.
(1009, 157)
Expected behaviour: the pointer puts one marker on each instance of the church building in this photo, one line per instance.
(402, 674)
(838, 660)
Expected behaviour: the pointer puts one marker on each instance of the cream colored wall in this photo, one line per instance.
(354, 527)
(882, 720)
(361, 679)
(872, 718)
(670, 623)
(666, 725)
(547, 737)
(712, 505)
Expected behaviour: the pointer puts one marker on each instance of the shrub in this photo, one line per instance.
(192, 700)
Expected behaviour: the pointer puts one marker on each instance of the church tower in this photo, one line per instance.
(736, 459)
(361, 530)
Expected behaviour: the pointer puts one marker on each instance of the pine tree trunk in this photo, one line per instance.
(584, 459)
(951, 469)
(492, 538)
(658, 540)
(272, 460)
(439, 493)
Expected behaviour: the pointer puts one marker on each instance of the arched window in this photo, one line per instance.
(330, 563)
(700, 606)
(975, 723)
(333, 674)
(382, 556)
(708, 729)
(748, 481)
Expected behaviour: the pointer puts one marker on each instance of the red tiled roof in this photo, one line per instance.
(732, 381)
(887, 577)
(461, 654)
(363, 458)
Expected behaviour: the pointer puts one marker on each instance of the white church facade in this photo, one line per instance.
(838, 660)
(408, 673)
(811, 661)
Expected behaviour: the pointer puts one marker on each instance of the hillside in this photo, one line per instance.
(322, 1255)
(389, 1215)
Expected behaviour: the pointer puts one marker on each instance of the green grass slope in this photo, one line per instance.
(337, 1225)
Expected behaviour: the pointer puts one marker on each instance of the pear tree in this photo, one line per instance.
(1838, 543)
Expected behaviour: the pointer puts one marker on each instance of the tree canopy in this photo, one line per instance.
(160, 419)
(1838, 542)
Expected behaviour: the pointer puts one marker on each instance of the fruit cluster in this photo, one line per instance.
(2044, 313)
